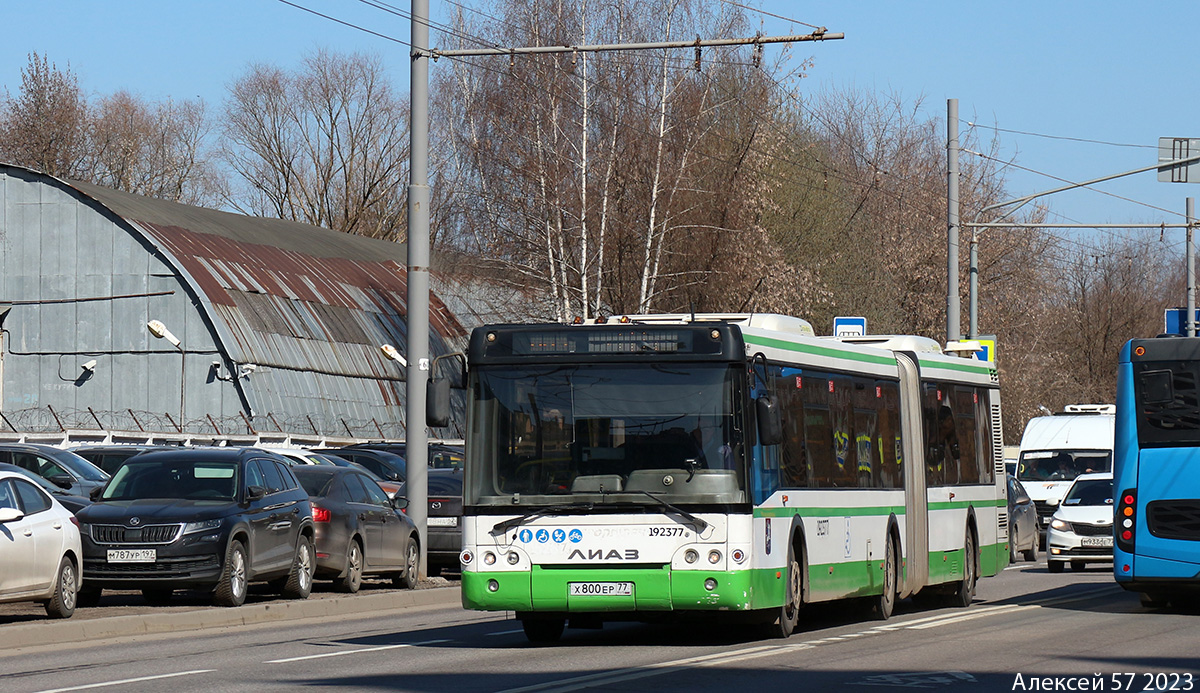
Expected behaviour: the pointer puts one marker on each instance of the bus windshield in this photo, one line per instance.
(606, 434)
(1062, 465)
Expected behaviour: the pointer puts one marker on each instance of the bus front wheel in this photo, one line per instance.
(543, 630)
(789, 613)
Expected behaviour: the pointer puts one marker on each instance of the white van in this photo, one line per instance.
(1056, 449)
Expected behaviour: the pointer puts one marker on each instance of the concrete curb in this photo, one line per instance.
(33, 634)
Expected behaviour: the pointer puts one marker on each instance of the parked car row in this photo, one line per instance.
(208, 518)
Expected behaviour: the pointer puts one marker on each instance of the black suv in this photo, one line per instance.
(199, 518)
(111, 457)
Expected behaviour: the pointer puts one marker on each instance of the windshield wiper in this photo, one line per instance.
(701, 525)
(538, 512)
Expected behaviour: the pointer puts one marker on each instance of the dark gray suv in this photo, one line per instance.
(201, 518)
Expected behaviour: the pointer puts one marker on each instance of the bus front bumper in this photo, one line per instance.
(618, 590)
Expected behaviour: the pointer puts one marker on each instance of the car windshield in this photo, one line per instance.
(174, 479)
(1062, 465)
(606, 433)
(78, 465)
(1090, 492)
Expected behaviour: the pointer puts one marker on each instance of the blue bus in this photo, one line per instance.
(1156, 469)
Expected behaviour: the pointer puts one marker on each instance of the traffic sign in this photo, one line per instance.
(845, 326)
(1173, 320)
(1173, 149)
(987, 347)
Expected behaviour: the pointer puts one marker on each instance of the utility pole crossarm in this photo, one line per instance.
(1161, 164)
(819, 35)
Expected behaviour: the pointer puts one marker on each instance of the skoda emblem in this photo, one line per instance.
(135, 521)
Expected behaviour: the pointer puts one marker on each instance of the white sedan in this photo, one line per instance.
(39, 547)
(1081, 530)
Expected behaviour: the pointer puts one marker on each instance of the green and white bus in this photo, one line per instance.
(642, 466)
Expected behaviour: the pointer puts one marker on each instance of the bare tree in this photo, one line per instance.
(157, 150)
(327, 146)
(45, 126)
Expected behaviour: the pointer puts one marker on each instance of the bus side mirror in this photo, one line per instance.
(770, 421)
(437, 403)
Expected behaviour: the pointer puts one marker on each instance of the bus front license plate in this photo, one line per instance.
(131, 555)
(600, 589)
(1095, 541)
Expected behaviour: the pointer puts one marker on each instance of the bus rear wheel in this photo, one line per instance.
(964, 591)
(885, 603)
(543, 630)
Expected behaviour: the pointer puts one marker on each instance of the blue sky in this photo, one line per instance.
(1114, 72)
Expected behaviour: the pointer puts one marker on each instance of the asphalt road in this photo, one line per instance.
(1025, 622)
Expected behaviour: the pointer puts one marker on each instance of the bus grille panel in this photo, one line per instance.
(1174, 519)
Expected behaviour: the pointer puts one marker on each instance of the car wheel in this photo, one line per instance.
(1012, 548)
(66, 588)
(964, 591)
(412, 567)
(158, 596)
(352, 580)
(885, 603)
(1055, 566)
(300, 580)
(1031, 553)
(543, 630)
(231, 589)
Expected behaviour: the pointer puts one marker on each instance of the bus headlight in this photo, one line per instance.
(489, 558)
(513, 558)
(691, 556)
(714, 556)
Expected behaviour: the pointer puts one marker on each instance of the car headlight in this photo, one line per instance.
(204, 526)
(1060, 525)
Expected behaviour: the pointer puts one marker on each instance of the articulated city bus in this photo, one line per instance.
(1156, 470)
(643, 466)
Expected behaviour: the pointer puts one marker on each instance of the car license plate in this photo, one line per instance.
(601, 589)
(132, 555)
(442, 521)
(1095, 541)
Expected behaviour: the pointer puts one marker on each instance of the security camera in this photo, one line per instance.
(216, 364)
(90, 366)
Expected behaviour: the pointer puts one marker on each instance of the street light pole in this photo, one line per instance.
(953, 320)
(416, 439)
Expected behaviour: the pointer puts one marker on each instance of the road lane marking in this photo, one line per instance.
(656, 669)
(125, 681)
(363, 650)
(959, 618)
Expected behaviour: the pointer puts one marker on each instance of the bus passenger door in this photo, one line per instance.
(916, 505)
